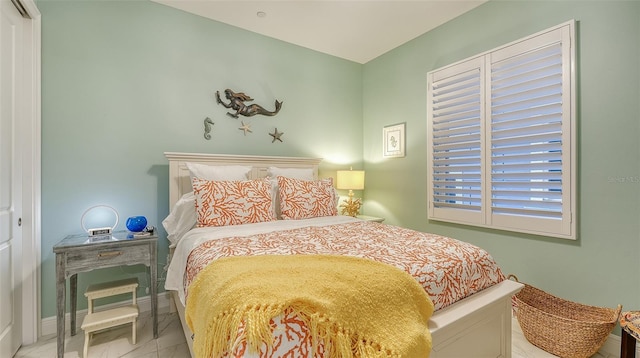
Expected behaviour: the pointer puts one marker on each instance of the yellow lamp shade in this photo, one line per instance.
(350, 179)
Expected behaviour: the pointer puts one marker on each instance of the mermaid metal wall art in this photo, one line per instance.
(236, 102)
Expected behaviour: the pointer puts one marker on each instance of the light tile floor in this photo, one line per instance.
(116, 342)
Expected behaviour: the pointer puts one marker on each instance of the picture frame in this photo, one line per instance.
(393, 141)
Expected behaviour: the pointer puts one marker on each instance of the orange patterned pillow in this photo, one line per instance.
(222, 203)
(301, 199)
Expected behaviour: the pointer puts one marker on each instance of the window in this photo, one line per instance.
(501, 137)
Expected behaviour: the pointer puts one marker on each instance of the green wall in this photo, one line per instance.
(601, 267)
(125, 81)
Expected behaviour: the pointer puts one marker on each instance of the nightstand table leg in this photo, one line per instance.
(628, 346)
(60, 303)
(73, 296)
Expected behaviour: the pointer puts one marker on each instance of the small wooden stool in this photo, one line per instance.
(95, 321)
(630, 324)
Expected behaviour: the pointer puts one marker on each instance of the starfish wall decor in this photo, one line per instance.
(276, 135)
(246, 128)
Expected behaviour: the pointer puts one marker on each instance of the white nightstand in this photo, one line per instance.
(370, 218)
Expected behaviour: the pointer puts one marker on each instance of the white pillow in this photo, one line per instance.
(181, 219)
(293, 173)
(218, 172)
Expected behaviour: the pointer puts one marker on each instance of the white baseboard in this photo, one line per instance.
(49, 326)
(611, 347)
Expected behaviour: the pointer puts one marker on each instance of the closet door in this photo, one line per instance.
(11, 63)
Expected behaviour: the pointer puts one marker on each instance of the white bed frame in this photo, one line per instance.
(475, 327)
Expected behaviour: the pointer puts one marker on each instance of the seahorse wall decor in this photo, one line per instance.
(208, 123)
(236, 102)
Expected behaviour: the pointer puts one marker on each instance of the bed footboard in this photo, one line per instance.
(478, 326)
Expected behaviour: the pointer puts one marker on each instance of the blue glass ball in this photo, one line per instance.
(136, 223)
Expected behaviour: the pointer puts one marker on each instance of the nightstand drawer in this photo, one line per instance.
(84, 260)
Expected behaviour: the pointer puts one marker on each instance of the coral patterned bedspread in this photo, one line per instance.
(448, 269)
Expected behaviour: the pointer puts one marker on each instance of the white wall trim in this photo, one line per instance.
(31, 175)
(144, 305)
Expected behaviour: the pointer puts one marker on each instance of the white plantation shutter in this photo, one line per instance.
(501, 137)
(456, 138)
(526, 134)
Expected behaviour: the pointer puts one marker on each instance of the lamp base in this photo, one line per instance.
(351, 206)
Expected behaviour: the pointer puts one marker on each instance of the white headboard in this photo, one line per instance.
(180, 182)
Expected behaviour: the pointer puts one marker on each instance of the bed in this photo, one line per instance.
(463, 324)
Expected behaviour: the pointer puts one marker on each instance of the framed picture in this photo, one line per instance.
(393, 140)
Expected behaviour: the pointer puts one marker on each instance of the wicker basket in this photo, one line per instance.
(563, 328)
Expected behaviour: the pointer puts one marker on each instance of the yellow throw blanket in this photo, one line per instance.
(355, 307)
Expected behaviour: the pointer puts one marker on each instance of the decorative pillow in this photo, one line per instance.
(218, 172)
(301, 199)
(222, 203)
(294, 173)
(181, 219)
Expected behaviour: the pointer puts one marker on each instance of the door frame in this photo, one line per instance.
(30, 135)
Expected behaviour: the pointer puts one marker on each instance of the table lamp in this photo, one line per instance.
(93, 220)
(350, 180)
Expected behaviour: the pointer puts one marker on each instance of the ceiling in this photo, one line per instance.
(356, 30)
